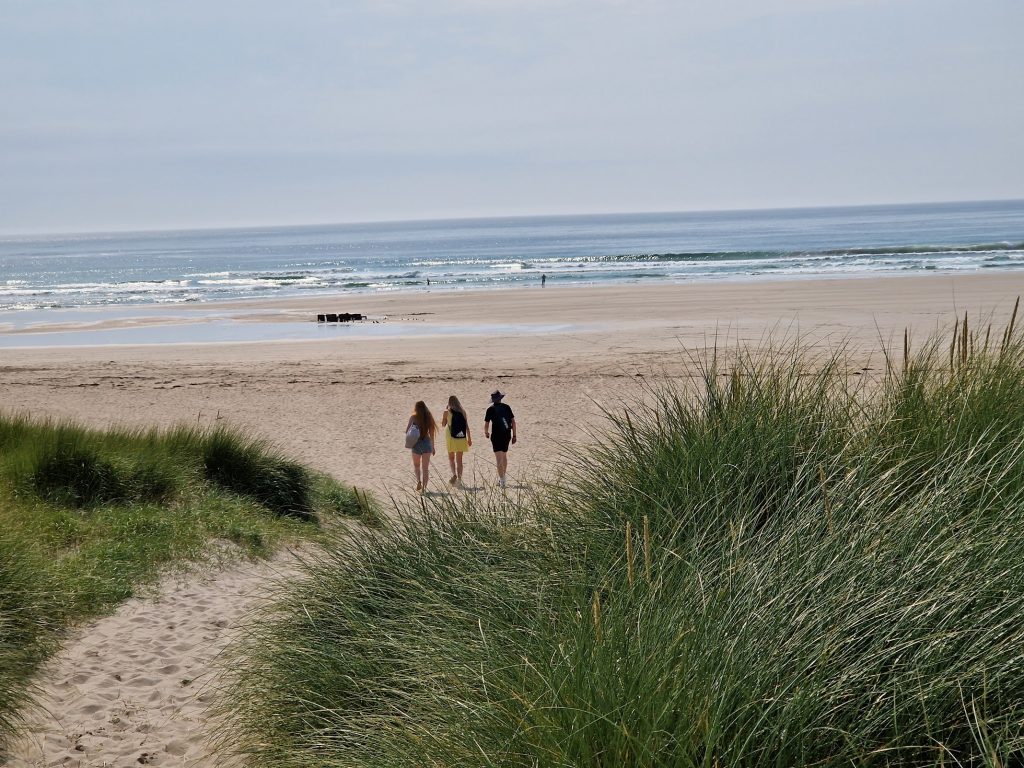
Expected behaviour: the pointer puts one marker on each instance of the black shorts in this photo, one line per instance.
(500, 443)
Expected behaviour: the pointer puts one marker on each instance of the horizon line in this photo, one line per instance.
(511, 217)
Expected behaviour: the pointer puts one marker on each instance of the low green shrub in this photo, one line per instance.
(76, 476)
(247, 467)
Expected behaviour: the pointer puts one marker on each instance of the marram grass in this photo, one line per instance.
(88, 516)
(773, 567)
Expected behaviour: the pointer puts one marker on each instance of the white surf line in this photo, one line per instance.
(133, 688)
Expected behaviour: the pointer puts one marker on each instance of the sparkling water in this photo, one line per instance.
(161, 268)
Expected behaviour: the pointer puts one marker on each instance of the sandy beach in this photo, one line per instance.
(340, 402)
(600, 209)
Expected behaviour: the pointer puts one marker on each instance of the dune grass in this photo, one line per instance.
(774, 566)
(88, 516)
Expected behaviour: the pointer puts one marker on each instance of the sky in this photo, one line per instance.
(134, 114)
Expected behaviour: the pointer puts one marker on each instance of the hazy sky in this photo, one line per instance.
(137, 114)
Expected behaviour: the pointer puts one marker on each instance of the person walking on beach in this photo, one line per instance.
(423, 448)
(500, 427)
(457, 437)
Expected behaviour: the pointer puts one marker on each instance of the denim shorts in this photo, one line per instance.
(423, 445)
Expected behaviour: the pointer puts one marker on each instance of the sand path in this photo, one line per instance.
(133, 688)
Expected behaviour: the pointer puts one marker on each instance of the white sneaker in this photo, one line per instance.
(501, 482)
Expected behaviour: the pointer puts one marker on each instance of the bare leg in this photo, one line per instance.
(425, 471)
(458, 467)
(416, 468)
(451, 463)
(501, 460)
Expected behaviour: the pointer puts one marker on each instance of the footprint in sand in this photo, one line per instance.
(122, 692)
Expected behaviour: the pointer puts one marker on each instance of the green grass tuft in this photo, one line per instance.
(27, 622)
(248, 468)
(773, 567)
(75, 476)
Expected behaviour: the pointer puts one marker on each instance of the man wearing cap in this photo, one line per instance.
(500, 427)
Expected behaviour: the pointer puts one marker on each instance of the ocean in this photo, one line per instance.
(166, 268)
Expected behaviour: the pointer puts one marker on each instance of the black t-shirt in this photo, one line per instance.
(500, 416)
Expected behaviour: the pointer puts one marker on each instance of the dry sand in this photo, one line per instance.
(133, 688)
(340, 404)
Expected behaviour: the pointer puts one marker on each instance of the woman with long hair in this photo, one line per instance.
(424, 447)
(457, 436)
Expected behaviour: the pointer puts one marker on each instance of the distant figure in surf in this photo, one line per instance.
(543, 279)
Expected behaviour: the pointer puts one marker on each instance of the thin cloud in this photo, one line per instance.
(126, 115)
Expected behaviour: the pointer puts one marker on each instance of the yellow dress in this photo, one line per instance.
(455, 444)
